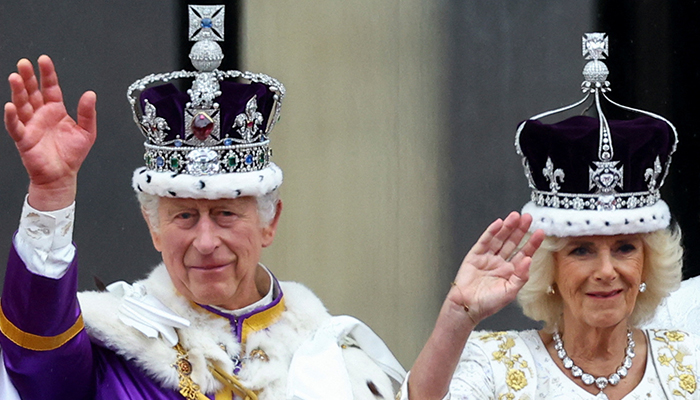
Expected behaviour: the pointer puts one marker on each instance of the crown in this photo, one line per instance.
(592, 176)
(211, 141)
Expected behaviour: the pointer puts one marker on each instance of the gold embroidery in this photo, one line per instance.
(260, 355)
(671, 355)
(188, 389)
(516, 378)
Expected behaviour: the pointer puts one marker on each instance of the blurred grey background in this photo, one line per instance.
(396, 136)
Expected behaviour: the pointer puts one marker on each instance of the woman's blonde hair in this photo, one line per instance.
(663, 262)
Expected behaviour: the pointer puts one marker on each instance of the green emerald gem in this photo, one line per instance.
(232, 161)
(175, 163)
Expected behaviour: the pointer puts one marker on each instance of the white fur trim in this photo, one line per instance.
(566, 222)
(304, 314)
(220, 186)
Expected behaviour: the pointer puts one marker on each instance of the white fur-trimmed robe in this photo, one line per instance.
(209, 335)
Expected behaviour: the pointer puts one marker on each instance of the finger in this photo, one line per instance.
(533, 243)
(521, 273)
(50, 89)
(529, 249)
(509, 225)
(516, 236)
(31, 84)
(14, 126)
(87, 114)
(20, 98)
(483, 244)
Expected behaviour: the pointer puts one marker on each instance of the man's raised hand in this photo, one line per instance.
(52, 145)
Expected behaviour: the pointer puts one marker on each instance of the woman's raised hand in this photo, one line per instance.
(51, 144)
(493, 272)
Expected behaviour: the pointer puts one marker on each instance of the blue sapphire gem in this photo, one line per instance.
(228, 142)
(178, 143)
(206, 23)
(249, 159)
(159, 161)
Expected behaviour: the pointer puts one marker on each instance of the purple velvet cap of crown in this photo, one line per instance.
(572, 145)
(572, 207)
(170, 104)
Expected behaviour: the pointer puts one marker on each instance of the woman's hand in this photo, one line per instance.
(51, 144)
(489, 278)
(493, 272)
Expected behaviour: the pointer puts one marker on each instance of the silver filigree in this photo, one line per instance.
(652, 174)
(248, 123)
(153, 125)
(205, 89)
(552, 175)
(206, 22)
(528, 174)
(206, 55)
(606, 177)
(597, 201)
(595, 46)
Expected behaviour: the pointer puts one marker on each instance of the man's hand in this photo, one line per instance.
(52, 145)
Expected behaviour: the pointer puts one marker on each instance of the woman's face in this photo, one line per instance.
(598, 278)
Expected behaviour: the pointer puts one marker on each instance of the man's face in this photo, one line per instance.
(211, 248)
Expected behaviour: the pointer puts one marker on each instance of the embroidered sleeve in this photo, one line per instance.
(43, 240)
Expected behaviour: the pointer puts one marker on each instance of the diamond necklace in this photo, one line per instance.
(601, 382)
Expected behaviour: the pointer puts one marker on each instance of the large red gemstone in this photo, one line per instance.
(202, 125)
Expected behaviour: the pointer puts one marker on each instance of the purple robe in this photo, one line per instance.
(49, 355)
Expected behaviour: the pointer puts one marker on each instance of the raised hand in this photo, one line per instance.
(492, 273)
(51, 144)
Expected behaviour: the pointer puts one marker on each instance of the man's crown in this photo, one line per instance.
(218, 126)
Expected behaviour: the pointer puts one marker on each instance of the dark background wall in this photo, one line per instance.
(102, 46)
(508, 60)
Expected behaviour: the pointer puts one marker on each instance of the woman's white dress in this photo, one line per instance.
(516, 365)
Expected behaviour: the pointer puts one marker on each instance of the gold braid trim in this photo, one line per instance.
(30, 341)
(190, 390)
(232, 383)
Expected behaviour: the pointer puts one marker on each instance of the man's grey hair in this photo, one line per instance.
(267, 207)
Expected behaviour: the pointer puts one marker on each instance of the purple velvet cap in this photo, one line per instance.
(170, 104)
(575, 192)
(572, 145)
(208, 142)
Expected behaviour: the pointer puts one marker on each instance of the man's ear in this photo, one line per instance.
(155, 236)
(271, 229)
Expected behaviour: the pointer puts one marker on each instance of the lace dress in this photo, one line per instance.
(495, 366)
(681, 309)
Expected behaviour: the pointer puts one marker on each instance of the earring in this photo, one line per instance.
(550, 290)
(642, 287)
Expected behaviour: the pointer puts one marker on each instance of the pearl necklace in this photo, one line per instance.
(601, 382)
